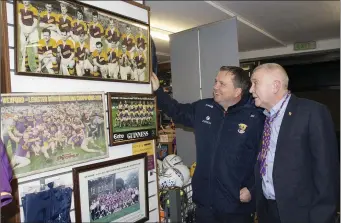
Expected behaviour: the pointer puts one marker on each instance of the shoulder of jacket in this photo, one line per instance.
(254, 113)
(206, 102)
(309, 103)
(311, 106)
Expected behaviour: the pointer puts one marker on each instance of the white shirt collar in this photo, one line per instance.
(275, 108)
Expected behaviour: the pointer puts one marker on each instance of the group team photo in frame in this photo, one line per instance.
(132, 117)
(112, 191)
(47, 131)
(72, 39)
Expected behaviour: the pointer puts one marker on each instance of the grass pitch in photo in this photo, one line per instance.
(133, 114)
(46, 132)
(114, 196)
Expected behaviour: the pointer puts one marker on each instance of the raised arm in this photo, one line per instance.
(180, 113)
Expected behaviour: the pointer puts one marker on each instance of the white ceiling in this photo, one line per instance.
(176, 16)
(292, 21)
(261, 24)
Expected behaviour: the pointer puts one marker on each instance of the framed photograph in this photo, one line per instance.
(132, 117)
(47, 131)
(112, 191)
(71, 39)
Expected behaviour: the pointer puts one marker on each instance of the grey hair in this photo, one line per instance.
(274, 67)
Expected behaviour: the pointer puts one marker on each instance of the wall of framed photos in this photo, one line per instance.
(27, 83)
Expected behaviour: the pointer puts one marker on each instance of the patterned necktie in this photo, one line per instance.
(266, 138)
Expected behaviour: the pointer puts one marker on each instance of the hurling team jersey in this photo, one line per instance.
(27, 15)
(49, 47)
(80, 51)
(101, 58)
(67, 48)
(141, 41)
(112, 35)
(96, 30)
(48, 18)
(79, 27)
(64, 22)
(114, 55)
(140, 61)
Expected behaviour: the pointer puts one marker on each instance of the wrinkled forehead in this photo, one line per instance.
(258, 75)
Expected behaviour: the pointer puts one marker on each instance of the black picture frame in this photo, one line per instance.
(87, 191)
(137, 133)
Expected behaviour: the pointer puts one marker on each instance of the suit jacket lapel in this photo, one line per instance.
(287, 122)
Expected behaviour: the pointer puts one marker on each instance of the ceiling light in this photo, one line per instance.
(159, 35)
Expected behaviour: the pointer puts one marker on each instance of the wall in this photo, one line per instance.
(40, 84)
(197, 54)
(321, 45)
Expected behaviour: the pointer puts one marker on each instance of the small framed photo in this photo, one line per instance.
(132, 117)
(112, 191)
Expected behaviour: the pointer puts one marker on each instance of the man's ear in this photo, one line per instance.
(276, 86)
(238, 92)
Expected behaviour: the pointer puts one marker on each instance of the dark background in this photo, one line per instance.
(315, 77)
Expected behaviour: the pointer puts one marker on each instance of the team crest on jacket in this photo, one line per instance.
(242, 128)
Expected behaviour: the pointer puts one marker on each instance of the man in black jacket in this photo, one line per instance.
(298, 173)
(228, 130)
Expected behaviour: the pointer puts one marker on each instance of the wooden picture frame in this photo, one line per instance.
(114, 48)
(135, 120)
(99, 183)
(48, 131)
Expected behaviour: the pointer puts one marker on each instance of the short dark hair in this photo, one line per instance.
(99, 43)
(80, 11)
(45, 30)
(63, 31)
(95, 13)
(241, 78)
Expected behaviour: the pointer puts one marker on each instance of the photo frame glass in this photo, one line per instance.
(47, 131)
(112, 191)
(72, 39)
(132, 117)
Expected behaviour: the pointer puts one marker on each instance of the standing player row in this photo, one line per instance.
(66, 44)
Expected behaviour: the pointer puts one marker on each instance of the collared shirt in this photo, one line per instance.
(65, 22)
(48, 18)
(27, 14)
(67, 48)
(80, 51)
(267, 182)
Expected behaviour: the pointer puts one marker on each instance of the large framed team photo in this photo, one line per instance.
(132, 117)
(71, 39)
(47, 131)
(112, 191)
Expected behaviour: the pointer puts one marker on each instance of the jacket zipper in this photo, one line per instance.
(213, 158)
